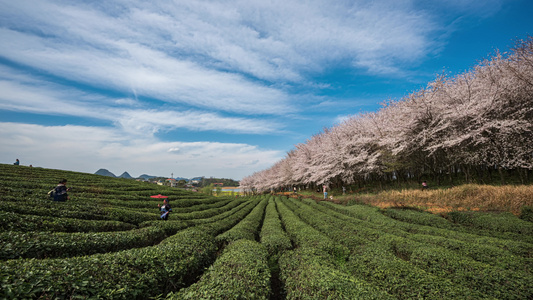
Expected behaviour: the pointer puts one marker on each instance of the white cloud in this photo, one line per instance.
(341, 119)
(150, 46)
(156, 120)
(133, 67)
(87, 149)
(42, 98)
(31, 95)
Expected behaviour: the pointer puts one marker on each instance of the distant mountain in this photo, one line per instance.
(105, 172)
(125, 175)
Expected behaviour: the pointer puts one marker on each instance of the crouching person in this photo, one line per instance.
(59, 193)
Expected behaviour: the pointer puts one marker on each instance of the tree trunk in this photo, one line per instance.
(520, 175)
(502, 177)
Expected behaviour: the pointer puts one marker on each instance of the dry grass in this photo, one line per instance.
(464, 197)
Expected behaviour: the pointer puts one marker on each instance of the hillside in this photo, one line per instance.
(105, 172)
(107, 242)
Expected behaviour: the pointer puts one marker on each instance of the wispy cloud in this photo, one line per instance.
(25, 93)
(150, 46)
(153, 121)
(114, 150)
(133, 67)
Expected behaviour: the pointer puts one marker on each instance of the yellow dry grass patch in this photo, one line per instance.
(465, 197)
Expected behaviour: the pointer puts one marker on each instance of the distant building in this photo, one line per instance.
(172, 182)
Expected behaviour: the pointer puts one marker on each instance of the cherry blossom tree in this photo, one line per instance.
(472, 123)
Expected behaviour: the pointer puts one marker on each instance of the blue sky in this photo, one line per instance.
(218, 88)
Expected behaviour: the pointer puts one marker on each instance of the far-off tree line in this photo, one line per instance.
(475, 126)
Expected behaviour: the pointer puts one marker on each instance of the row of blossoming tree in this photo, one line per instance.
(474, 125)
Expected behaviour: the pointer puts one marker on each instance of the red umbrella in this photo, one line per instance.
(158, 196)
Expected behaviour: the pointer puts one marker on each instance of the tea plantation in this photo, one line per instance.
(107, 242)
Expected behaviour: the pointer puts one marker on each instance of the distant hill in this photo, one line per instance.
(125, 175)
(105, 172)
(224, 181)
(205, 181)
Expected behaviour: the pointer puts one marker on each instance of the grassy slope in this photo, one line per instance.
(474, 197)
(27, 183)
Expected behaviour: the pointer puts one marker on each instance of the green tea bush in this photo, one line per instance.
(55, 209)
(132, 274)
(377, 263)
(20, 222)
(16, 244)
(205, 205)
(308, 274)
(207, 213)
(419, 217)
(479, 251)
(241, 272)
(502, 222)
(400, 273)
(130, 215)
(526, 213)
(497, 282)
(225, 221)
(304, 235)
(509, 250)
(517, 244)
(248, 227)
(272, 235)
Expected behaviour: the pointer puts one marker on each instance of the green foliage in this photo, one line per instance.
(132, 274)
(418, 217)
(272, 235)
(527, 213)
(499, 222)
(391, 251)
(208, 190)
(59, 244)
(225, 182)
(241, 272)
(108, 242)
(516, 244)
(304, 235)
(20, 222)
(307, 274)
(248, 227)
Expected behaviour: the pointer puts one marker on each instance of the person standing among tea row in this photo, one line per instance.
(165, 209)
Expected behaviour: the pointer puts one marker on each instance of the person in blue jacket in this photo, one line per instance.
(165, 209)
